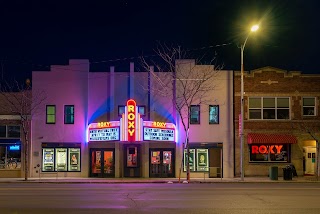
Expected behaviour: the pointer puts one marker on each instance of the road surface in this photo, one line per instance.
(21, 198)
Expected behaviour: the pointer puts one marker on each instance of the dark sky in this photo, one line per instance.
(35, 34)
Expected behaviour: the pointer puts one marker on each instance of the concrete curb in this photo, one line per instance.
(129, 181)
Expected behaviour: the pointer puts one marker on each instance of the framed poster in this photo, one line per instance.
(191, 160)
(202, 160)
(48, 159)
(61, 159)
(74, 159)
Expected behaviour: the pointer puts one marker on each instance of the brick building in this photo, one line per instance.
(11, 136)
(281, 120)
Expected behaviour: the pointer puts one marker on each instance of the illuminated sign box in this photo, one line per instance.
(14, 148)
(105, 134)
(158, 134)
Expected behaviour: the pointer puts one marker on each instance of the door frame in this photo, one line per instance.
(101, 174)
(132, 171)
(161, 174)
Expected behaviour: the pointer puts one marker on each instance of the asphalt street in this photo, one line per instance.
(18, 198)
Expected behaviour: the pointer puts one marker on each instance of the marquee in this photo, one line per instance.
(132, 128)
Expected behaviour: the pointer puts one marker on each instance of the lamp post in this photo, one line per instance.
(253, 29)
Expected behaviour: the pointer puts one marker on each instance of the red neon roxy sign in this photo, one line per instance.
(131, 108)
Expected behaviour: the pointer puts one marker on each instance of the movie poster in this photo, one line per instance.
(61, 159)
(202, 160)
(74, 159)
(48, 159)
(191, 160)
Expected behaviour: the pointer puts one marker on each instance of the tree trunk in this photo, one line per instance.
(26, 160)
(188, 160)
(318, 161)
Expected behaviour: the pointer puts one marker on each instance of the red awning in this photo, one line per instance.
(271, 138)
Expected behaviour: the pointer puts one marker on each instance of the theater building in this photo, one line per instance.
(110, 124)
(281, 121)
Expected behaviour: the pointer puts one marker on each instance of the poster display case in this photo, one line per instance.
(61, 159)
(191, 160)
(74, 159)
(48, 159)
(202, 160)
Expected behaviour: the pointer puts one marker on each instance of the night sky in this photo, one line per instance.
(35, 34)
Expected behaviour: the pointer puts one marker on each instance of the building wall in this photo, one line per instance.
(273, 82)
(62, 85)
(212, 134)
(96, 97)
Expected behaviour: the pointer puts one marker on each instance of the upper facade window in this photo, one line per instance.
(51, 114)
(213, 114)
(141, 110)
(69, 114)
(269, 108)
(121, 110)
(195, 114)
(10, 131)
(309, 106)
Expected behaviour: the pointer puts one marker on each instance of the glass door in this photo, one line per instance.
(102, 163)
(155, 163)
(167, 162)
(161, 163)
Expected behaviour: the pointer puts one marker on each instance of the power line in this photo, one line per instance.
(124, 58)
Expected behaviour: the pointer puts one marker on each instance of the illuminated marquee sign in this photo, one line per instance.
(131, 108)
(263, 149)
(158, 134)
(105, 134)
(104, 131)
(132, 128)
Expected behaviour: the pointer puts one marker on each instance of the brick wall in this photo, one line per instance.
(273, 82)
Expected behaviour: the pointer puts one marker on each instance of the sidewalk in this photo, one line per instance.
(305, 179)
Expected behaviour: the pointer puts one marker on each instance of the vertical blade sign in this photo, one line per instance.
(131, 106)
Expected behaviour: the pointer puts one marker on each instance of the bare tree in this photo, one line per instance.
(22, 102)
(184, 80)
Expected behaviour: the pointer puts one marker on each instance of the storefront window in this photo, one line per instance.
(14, 131)
(269, 153)
(10, 156)
(3, 131)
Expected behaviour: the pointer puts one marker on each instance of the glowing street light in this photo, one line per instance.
(253, 29)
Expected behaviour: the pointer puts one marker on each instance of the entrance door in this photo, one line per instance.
(102, 163)
(310, 159)
(215, 161)
(161, 163)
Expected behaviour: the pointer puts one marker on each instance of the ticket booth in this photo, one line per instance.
(132, 160)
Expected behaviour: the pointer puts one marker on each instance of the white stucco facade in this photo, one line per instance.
(97, 97)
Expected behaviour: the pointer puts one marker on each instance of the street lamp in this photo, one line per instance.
(253, 29)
